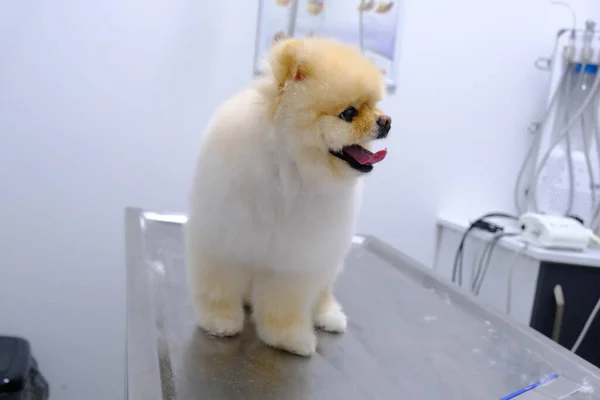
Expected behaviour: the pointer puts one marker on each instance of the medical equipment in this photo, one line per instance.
(560, 171)
(552, 232)
(536, 230)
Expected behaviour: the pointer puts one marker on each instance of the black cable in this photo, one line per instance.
(480, 223)
(480, 261)
(483, 267)
(486, 255)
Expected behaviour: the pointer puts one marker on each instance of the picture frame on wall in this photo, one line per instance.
(368, 24)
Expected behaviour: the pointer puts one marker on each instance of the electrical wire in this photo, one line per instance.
(477, 224)
(457, 267)
(511, 269)
(481, 260)
(485, 261)
(586, 327)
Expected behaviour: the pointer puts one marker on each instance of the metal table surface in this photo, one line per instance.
(411, 335)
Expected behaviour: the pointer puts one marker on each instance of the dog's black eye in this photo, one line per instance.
(348, 114)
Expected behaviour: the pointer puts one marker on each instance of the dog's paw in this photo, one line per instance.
(222, 325)
(333, 320)
(302, 342)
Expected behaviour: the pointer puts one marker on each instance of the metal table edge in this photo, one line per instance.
(420, 271)
(142, 360)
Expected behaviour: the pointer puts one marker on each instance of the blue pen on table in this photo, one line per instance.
(531, 387)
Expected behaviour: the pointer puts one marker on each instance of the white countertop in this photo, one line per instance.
(590, 257)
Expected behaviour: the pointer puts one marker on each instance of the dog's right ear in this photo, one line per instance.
(288, 61)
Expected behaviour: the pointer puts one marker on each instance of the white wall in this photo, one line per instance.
(467, 91)
(101, 105)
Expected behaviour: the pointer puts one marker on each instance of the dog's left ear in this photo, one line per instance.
(288, 61)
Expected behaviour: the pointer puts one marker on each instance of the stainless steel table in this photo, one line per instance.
(411, 336)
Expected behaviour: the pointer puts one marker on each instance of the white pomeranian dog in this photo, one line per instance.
(276, 192)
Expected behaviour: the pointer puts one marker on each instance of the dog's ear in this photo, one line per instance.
(288, 61)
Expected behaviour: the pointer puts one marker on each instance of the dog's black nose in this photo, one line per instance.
(385, 124)
(384, 120)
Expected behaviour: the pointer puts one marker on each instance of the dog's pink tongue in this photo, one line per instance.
(379, 156)
(364, 156)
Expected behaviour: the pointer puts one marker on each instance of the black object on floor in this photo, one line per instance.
(20, 378)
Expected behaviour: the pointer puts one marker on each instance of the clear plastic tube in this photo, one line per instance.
(586, 327)
(569, 148)
(566, 129)
(537, 140)
(595, 226)
(561, 136)
(586, 141)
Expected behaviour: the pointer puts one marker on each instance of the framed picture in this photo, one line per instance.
(371, 25)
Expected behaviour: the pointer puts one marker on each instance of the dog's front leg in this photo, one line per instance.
(328, 312)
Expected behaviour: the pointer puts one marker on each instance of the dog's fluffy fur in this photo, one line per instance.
(272, 208)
